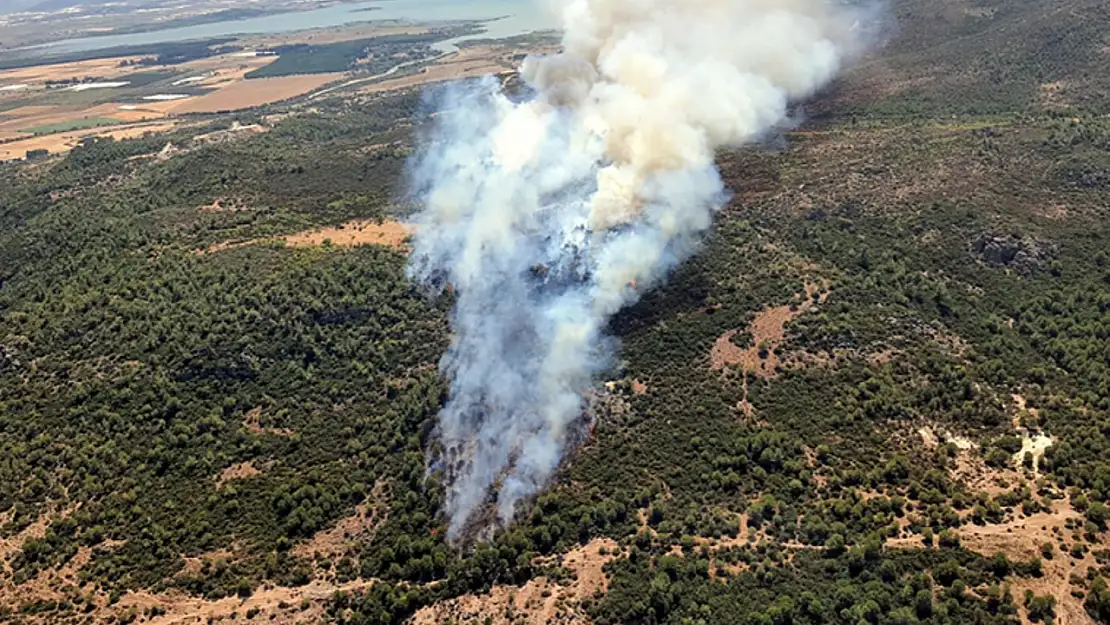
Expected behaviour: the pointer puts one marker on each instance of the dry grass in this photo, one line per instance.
(1051, 95)
(237, 471)
(25, 117)
(245, 94)
(350, 234)
(98, 68)
(767, 330)
(279, 606)
(113, 110)
(349, 531)
(354, 233)
(18, 120)
(253, 422)
(539, 602)
(1022, 539)
(48, 585)
(66, 141)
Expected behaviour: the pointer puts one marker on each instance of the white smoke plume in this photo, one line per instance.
(548, 216)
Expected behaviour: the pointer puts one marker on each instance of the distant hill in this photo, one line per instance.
(17, 6)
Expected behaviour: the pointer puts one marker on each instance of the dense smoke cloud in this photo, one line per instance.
(550, 215)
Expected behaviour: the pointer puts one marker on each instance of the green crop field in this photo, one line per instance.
(77, 124)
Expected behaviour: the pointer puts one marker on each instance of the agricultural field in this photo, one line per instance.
(73, 100)
(879, 394)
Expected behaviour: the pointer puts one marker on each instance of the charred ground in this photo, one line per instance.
(951, 196)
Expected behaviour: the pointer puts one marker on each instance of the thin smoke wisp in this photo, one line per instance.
(547, 216)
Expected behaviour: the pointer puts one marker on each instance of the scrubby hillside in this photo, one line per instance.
(881, 393)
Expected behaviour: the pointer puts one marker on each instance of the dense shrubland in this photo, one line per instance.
(133, 371)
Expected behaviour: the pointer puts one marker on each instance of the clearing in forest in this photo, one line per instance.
(539, 602)
(768, 329)
(350, 234)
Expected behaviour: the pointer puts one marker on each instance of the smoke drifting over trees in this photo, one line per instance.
(550, 215)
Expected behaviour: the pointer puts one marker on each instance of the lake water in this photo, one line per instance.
(516, 17)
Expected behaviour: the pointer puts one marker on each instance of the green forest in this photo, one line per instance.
(959, 227)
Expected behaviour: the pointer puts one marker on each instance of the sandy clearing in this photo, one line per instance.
(216, 136)
(280, 606)
(1034, 443)
(1022, 539)
(768, 328)
(49, 583)
(139, 130)
(539, 602)
(351, 234)
(65, 141)
(11, 546)
(354, 233)
(237, 471)
(251, 93)
(348, 531)
(253, 422)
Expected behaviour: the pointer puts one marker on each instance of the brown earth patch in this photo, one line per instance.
(351, 234)
(253, 422)
(50, 584)
(194, 565)
(11, 546)
(283, 606)
(1051, 94)
(66, 141)
(237, 471)
(354, 233)
(1054, 211)
(1022, 539)
(768, 328)
(244, 94)
(222, 205)
(540, 601)
(349, 531)
(278, 605)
